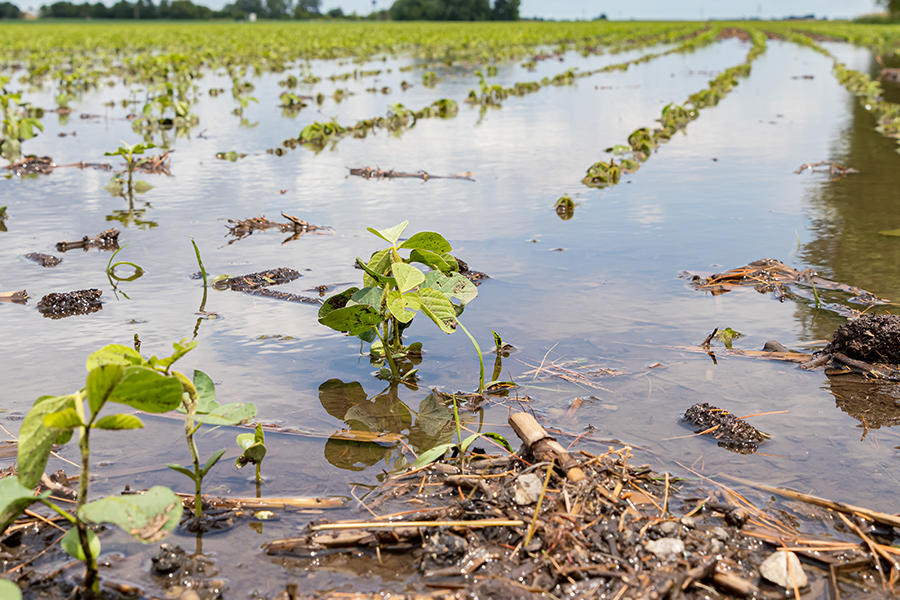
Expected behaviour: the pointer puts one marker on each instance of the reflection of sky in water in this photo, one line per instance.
(723, 193)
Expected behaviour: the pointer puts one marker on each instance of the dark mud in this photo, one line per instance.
(68, 304)
(733, 433)
(869, 338)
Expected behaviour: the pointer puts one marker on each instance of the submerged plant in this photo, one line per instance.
(395, 291)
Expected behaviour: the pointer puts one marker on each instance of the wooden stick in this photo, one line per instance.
(543, 446)
(400, 524)
(849, 509)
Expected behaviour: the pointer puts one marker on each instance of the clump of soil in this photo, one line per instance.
(45, 260)
(253, 281)
(67, 304)
(869, 338)
(733, 433)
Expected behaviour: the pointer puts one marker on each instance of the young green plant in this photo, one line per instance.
(116, 374)
(395, 291)
(254, 450)
(200, 407)
(127, 151)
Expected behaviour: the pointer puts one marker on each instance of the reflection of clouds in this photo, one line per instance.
(649, 214)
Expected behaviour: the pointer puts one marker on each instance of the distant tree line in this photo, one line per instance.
(176, 9)
(9, 10)
(454, 10)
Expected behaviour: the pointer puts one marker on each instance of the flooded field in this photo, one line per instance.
(606, 325)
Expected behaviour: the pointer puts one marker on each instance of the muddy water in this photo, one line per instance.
(600, 289)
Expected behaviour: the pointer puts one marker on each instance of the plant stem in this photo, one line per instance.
(91, 580)
(189, 430)
(480, 356)
(388, 352)
(462, 456)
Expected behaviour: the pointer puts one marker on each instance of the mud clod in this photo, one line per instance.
(869, 338)
(244, 283)
(80, 302)
(45, 260)
(733, 433)
(105, 240)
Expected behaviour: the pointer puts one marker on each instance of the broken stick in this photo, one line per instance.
(543, 445)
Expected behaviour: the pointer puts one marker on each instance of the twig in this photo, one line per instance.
(397, 524)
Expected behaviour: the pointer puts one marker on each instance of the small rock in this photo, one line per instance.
(720, 534)
(775, 569)
(665, 547)
(689, 522)
(668, 527)
(528, 489)
(716, 546)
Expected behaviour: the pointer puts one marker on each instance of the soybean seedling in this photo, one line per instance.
(111, 270)
(254, 447)
(395, 291)
(200, 407)
(116, 374)
(127, 151)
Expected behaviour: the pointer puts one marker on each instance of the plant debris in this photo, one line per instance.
(156, 165)
(733, 433)
(243, 283)
(67, 304)
(17, 297)
(370, 173)
(834, 170)
(245, 227)
(773, 276)
(105, 240)
(283, 296)
(45, 260)
(869, 338)
(32, 165)
(456, 530)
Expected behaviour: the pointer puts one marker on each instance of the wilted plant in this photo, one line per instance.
(254, 450)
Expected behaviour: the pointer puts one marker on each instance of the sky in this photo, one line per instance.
(658, 9)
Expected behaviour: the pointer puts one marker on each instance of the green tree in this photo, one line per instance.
(505, 10)
(8, 10)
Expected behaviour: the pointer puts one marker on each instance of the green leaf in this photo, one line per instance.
(67, 418)
(147, 390)
(438, 308)
(72, 545)
(101, 381)
(499, 439)
(368, 296)
(427, 240)
(114, 354)
(148, 517)
(390, 235)
(183, 470)
(891, 232)
(432, 455)
(211, 462)
(498, 341)
(119, 422)
(36, 439)
(9, 590)
(14, 499)
(407, 276)
(228, 414)
(403, 307)
(354, 320)
(336, 301)
(180, 350)
(374, 277)
(456, 286)
(439, 262)
(206, 392)
(380, 262)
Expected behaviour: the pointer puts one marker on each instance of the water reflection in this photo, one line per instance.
(364, 443)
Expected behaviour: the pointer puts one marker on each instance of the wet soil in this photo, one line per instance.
(869, 338)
